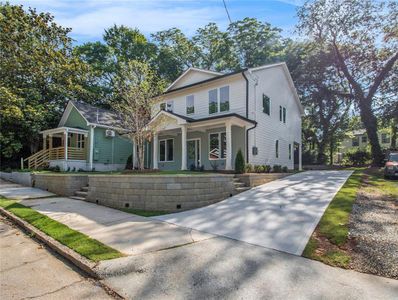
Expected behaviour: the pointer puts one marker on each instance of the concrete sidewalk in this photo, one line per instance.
(19, 192)
(130, 234)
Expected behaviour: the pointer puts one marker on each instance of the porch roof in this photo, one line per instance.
(234, 117)
(63, 130)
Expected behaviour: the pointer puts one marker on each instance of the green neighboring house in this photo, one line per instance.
(87, 138)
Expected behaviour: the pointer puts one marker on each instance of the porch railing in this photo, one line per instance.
(42, 158)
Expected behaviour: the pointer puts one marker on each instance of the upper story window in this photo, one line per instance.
(219, 100)
(224, 98)
(266, 104)
(168, 105)
(166, 150)
(280, 113)
(385, 138)
(284, 115)
(364, 139)
(190, 104)
(355, 141)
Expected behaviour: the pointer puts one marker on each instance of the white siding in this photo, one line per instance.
(192, 77)
(237, 97)
(273, 82)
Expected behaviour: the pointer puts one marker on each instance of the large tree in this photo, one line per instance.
(38, 75)
(362, 35)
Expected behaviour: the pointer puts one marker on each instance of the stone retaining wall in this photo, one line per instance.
(163, 193)
(24, 178)
(60, 184)
(255, 179)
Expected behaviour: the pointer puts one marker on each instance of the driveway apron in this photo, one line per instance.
(280, 215)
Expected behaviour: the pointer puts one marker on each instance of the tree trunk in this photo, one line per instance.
(369, 120)
(394, 133)
(331, 151)
(321, 157)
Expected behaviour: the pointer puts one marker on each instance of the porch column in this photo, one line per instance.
(155, 151)
(91, 150)
(50, 142)
(44, 141)
(228, 158)
(135, 164)
(66, 133)
(300, 162)
(183, 147)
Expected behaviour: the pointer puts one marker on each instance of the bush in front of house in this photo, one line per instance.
(258, 169)
(239, 163)
(277, 168)
(129, 163)
(267, 168)
(249, 168)
(358, 157)
(285, 169)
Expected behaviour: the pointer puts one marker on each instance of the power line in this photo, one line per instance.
(226, 9)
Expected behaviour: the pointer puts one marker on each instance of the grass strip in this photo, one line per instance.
(77, 241)
(334, 223)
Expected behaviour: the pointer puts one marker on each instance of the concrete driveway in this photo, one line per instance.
(280, 215)
(19, 192)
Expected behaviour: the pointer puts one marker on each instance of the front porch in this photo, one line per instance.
(181, 143)
(63, 146)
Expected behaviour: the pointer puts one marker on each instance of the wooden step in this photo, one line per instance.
(77, 198)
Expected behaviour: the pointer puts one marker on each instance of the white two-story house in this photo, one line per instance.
(206, 117)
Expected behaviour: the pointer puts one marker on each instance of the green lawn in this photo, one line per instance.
(334, 223)
(144, 213)
(82, 244)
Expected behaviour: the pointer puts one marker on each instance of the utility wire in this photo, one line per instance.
(226, 9)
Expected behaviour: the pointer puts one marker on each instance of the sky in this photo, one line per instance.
(89, 18)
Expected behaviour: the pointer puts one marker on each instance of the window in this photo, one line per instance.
(266, 104)
(215, 95)
(163, 106)
(166, 150)
(213, 102)
(364, 139)
(190, 104)
(290, 151)
(218, 145)
(355, 141)
(170, 105)
(280, 113)
(80, 141)
(385, 138)
(284, 115)
(277, 149)
(224, 98)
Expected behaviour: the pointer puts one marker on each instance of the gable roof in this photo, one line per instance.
(92, 115)
(190, 70)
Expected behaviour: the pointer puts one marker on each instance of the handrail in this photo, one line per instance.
(43, 157)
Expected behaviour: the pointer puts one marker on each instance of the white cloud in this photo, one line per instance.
(88, 19)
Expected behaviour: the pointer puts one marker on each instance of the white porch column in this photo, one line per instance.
(228, 158)
(135, 164)
(155, 151)
(183, 147)
(91, 150)
(50, 142)
(300, 162)
(44, 141)
(66, 133)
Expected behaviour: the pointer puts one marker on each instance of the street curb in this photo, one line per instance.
(75, 258)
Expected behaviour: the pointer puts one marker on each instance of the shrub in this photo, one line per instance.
(239, 163)
(249, 168)
(267, 168)
(192, 167)
(258, 169)
(285, 169)
(277, 168)
(358, 157)
(202, 168)
(214, 165)
(129, 163)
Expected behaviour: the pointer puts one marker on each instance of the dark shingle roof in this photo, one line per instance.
(97, 115)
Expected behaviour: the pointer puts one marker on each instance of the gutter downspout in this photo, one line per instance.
(247, 116)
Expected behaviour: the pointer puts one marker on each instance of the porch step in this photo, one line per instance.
(239, 184)
(84, 189)
(242, 189)
(81, 194)
(77, 198)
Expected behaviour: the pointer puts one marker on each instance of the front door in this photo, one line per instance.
(296, 155)
(193, 146)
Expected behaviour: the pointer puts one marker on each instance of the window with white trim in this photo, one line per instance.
(190, 104)
(80, 141)
(219, 100)
(284, 115)
(167, 106)
(217, 145)
(224, 98)
(280, 113)
(166, 150)
(213, 101)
